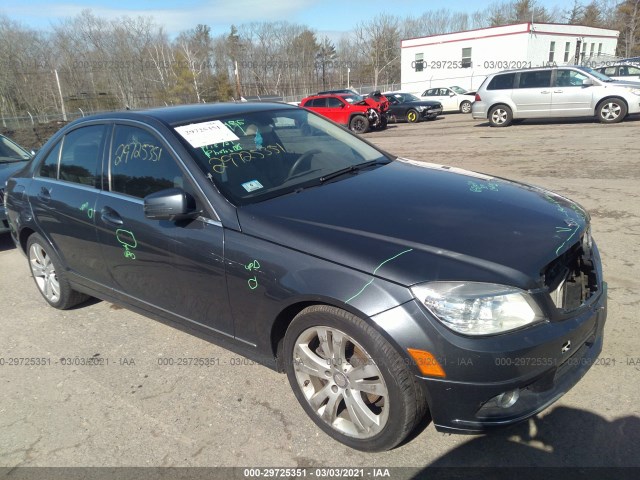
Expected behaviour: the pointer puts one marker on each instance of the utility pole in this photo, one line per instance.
(238, 89)
(64, 112)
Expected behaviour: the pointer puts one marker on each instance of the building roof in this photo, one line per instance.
(514, 29)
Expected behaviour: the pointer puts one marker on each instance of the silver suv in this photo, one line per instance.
(553, 92)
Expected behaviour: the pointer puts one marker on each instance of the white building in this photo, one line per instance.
(466, 58)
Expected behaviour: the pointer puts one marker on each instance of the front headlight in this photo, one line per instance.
(474, 308)
(421, 108)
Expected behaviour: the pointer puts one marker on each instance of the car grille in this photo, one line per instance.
(572, 278)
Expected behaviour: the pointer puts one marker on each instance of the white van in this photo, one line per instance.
(554, 92)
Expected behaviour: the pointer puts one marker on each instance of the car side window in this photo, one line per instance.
(49, 167)
(502, 82)
(570, 78)
(609, 71)
(140, 165)
(431, 92)
(81, 155)
(535, 79)
(627, 71)
(333, 102)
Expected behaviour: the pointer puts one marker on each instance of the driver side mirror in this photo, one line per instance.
(172, 204)
(587, 82)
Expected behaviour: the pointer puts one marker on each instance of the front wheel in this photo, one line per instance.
(359, 124)
(465, 107)
(500, 116)
(611, 110)
(369, 403)
(412, 116)
(49, 276)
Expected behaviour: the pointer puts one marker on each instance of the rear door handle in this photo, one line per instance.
(110, 216)
(557, 91)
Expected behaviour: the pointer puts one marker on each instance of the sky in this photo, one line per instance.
(329, 17)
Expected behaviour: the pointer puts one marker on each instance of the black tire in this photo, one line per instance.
(465, 106)
(359, 124)
(611, 110)
(383, 121)
(49, 275)
(412, 116)
(337, 380)
(500, 116)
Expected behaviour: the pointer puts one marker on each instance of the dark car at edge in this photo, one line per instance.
(388, 290)
(12, 158)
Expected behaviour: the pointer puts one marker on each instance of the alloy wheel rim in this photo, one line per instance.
(499, 116)
(412, 117)
(341, 382)
(611, 111)
(44, 273)
(466, 108)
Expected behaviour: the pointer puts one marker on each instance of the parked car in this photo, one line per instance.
(621, 71)
(408, 107)
(353, 111)
(453, 99)
(554, 92)
(386, 289)
(12, 158)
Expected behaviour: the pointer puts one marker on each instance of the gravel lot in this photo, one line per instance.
(135, 412)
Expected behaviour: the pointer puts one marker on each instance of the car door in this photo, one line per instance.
(570, 98)
(532, 94)
(449, 99)
(63, 198)
(337, 110)
(175, 267)
(396, 110)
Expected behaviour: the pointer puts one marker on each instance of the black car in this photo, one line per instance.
(408, 107)
(387, 290)
(12, 158)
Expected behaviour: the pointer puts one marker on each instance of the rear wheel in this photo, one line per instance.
(611, 110)
(412, 116)
(500, 116)
(368, 403)
(49, 276)
(359, 124)
(465, 107)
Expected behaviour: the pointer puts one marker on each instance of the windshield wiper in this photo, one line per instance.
(350, 169)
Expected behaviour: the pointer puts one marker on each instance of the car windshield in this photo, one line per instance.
(458, 90)
(352, 98)
(252, 157)
(404, 97)
(408, 97)
(600, 76)
(10, 152)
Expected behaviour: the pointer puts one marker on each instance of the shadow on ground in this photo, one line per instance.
(566, 437)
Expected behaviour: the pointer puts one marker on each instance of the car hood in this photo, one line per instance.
(8, 169)
(411, 222)
(623, 83)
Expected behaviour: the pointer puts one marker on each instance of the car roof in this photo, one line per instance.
(181, 114)
(536, 69)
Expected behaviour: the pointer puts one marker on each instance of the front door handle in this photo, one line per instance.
(111, 217)
(44, 194)
(557, 91)
(545, 91)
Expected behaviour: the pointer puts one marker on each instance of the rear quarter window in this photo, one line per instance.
(502, 82)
